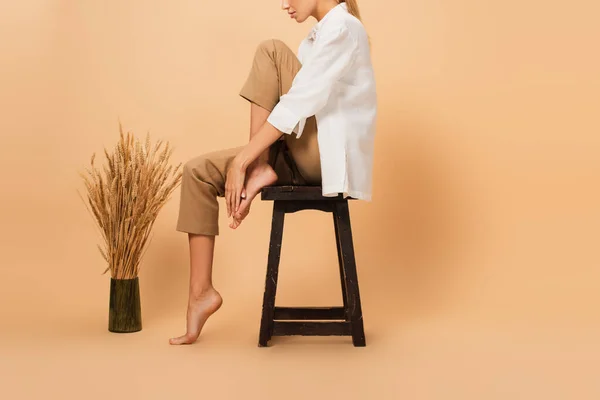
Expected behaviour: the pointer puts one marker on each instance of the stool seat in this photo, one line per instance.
(289, 192)
(275, 321)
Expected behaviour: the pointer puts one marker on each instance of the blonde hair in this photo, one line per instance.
(353, 9)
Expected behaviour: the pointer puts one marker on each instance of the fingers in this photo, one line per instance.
(234, 187)
(228, 200)
(238, 194)
(234, 223)
(231, 201)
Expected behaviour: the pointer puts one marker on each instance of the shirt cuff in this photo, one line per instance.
(300, 127)
(286, 121)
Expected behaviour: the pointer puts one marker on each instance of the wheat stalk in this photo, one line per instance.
(125, 196)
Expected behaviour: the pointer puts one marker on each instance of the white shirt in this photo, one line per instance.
(336, 84)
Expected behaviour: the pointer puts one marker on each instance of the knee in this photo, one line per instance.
(193, 168)
(270, 46)
(188, 169)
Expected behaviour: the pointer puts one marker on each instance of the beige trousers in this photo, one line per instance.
(296, 161)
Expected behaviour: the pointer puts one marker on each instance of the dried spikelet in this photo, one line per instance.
(139, 156)
(125, 195)
(108, 158)
(103, 253)
(147, 147)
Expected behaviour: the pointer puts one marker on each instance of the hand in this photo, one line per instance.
(234, 186)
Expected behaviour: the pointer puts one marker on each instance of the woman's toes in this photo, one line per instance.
(180, 340)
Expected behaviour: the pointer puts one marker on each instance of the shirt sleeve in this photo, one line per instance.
(332, 56)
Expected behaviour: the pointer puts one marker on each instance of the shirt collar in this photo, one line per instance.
(312, 35)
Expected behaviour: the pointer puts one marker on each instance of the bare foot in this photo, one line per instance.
(239, 217)
(260, 176)
(199, 309)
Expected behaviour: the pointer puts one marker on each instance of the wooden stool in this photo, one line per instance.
(275, 321)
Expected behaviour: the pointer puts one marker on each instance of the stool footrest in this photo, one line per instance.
(312, 328)
(302, 313)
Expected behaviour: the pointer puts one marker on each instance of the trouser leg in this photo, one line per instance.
(203, 181)
(273, 70)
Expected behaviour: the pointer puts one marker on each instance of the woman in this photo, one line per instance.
(326, 96)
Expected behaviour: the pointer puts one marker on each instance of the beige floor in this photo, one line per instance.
(73, 356)
(470, 324)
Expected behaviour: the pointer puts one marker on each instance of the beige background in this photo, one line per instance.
(478, 257)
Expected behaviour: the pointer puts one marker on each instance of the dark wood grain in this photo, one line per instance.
(125, 314)
(290, 192)
(338, 245)
(275, 321)
(268, 308)
(292, 206)
(354, 309)
(304, 313)
(312, 328)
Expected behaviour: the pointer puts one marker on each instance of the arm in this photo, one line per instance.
(234, 182)
(262, 140)
(332, 56)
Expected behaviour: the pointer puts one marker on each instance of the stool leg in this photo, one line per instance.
(341, 265)
(342, 215)
(268, 307)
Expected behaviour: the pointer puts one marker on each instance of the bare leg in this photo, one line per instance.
(204, 300)
(260, 173)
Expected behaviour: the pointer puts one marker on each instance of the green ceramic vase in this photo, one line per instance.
(125, 313)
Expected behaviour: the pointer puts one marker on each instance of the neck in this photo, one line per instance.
(323, 8)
